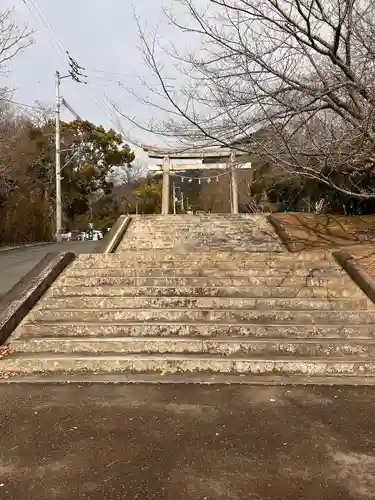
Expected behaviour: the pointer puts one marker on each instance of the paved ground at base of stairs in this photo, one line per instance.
(186, 442)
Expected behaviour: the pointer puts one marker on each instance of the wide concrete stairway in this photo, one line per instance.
(188, 298)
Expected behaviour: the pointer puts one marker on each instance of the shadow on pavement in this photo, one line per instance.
(187, 442)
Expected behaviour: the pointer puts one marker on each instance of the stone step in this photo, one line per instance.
(175, 230)
(197, 224)
(350, 291)
(202, 379)
(107, 262)
(222, 237)
(199, 264)
(225, 237)
(91, 329)
(176, 281)
(216, 233)
(188, 271)
(209, 227)
(210, 315)
(202, 225)
(167, 219)
(224, 346)
(207, 222)
(212, 216)
(210, 242)
(207, 256)
(216, 236)
(245, 246)
(203, 303)
(35, 363)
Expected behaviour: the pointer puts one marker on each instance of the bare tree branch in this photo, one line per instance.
(12, 38)
(290, 81)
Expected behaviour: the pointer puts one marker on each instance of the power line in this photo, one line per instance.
(114, 73)
(103, 79)
(23, 104)
(54, 39)
(57, 43)
(75, 69)
(45, 28)
(107, 110)
(43, 16)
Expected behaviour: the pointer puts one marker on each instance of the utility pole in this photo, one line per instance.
(234, 191)
(234, 186)
(76, 74)
(182, 201)
(58, 161)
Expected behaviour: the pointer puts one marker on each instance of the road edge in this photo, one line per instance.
(28, 245)
(20, 299)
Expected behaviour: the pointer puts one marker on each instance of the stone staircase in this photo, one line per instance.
(205, 299)
(216, 233)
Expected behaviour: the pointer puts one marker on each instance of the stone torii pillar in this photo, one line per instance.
(165, 191)
(233, 178)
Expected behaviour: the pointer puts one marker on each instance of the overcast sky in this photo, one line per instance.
(100, 35)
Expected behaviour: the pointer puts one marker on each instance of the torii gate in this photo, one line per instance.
(226, 156)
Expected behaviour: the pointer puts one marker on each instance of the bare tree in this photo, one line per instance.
(302, 71)
(129, 173)
(12, 38)
(40, 114)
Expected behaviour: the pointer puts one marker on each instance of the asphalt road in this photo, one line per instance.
(15, 263)
(186, 442)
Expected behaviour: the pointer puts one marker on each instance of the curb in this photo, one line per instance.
(281, 233)
(357, 273)
(112, 239)
(18, 302)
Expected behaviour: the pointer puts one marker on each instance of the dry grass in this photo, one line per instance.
(313, 231)
(365, 256)
(307, 232)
